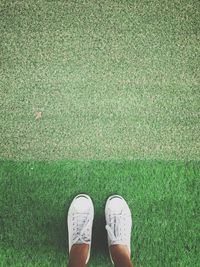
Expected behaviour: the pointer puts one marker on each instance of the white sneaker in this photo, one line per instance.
(80, 221)
(118, 222)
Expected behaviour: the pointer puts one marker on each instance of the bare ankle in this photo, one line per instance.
(78, 255)
(79, 248)
(122, 249)
(120, 255)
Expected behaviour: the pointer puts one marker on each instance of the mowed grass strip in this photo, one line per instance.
(163, 197)
(99, 80)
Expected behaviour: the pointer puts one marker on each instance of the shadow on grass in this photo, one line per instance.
(99, 235)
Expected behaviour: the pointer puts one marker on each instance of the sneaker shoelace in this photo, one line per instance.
(81, 228)
(116, 229)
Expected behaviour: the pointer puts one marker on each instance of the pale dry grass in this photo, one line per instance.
(102, 80)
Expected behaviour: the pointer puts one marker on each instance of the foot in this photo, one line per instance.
(118, 223)
(80, 221)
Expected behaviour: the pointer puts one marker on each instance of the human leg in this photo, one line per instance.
(78, 255)
(120, 256)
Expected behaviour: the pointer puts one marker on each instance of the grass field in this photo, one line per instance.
(163, 197)
(100, 97)
(100, 80)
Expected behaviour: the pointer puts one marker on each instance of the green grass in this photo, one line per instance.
(99, 97)
(163, 197)
(112, 79)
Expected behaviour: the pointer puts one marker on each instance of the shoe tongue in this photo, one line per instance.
(81, 204)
